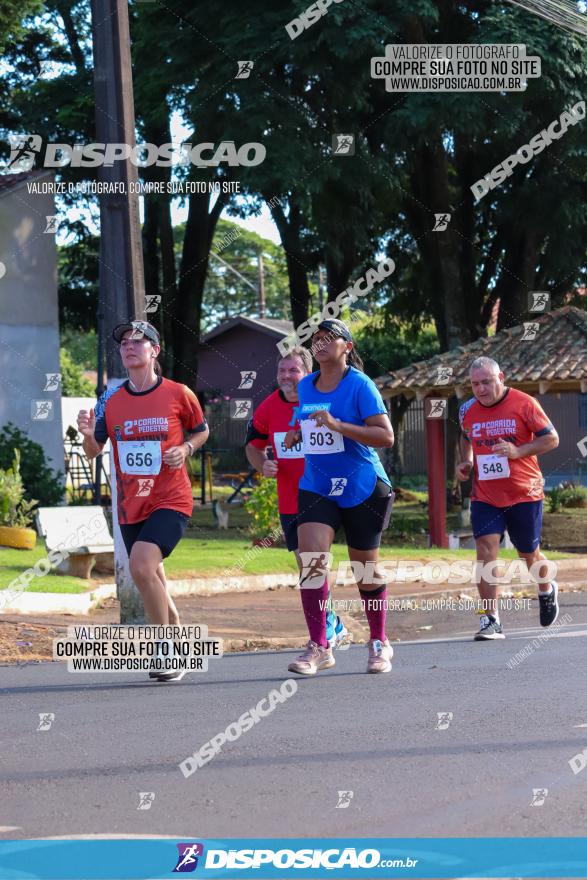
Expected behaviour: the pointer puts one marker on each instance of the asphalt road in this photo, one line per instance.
(113, 736)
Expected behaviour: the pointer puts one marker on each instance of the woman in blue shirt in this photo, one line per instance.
(342, 420)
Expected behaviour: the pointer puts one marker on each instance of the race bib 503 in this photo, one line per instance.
(320, 440)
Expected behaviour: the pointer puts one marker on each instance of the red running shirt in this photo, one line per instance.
(270, 423)
(141, 426)
(517, 418)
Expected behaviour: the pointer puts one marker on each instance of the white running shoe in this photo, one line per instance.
(380, 654)
(314, 659)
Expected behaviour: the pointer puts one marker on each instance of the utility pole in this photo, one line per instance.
(122, 286)
(321, 286)
(261, 285)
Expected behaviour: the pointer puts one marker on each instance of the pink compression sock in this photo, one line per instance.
(315, 615)
(375, 608)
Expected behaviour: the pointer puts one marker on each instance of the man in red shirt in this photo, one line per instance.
(273, 418)
(504, 430)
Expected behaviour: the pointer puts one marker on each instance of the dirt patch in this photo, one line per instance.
(566, 532)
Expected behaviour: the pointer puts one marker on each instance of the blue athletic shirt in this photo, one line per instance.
(348, 477)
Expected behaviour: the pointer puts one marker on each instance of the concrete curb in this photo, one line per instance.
(84, 603)
(59, 603)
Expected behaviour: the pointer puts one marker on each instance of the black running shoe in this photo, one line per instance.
(175, 675)
(549, 606)
(489, 628)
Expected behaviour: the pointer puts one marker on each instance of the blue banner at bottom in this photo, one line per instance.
(367, 858)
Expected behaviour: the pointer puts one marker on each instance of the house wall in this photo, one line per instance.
(239, 349)
(568, 414)
(29, 320)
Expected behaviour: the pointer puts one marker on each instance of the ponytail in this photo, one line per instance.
(353, 359)
(157, 367)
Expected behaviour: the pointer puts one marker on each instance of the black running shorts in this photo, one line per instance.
(362, 524)
(289, 524)
(162, 527)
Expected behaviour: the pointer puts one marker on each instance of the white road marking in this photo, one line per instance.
(511, 635)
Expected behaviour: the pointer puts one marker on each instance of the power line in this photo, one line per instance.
(563, 13)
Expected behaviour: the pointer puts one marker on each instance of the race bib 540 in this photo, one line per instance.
(281, 449)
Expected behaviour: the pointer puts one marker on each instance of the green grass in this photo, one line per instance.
(14, 562)
(207, 551)
(208, 554)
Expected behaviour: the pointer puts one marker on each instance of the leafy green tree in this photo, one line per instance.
(73, 381)
(415, 154)
(39, 479)
(226, 294)
(78, 268)
(82, 346)
(12, 19)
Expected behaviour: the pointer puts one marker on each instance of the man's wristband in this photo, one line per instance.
(187, 443)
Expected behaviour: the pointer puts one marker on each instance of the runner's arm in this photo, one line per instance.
(197, 438)
(257, 457)
(256, 443)
(376, 431)
(538, 446)
(92, 448)
(463, 468)
(465, 449)
(86, 425)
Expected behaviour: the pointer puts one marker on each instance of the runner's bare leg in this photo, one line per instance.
(531, 558)
(487, 551)
(173, 612)
(145, 558)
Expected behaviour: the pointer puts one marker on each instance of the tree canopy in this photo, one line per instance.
(415, 155)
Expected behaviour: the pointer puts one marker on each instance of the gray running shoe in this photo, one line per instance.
(489, 628)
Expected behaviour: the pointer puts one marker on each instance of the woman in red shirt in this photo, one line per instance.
(146, 419)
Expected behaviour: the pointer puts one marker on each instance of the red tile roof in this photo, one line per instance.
(554, 360)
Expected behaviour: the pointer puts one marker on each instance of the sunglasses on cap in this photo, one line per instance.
(139, 330)
(337, 328)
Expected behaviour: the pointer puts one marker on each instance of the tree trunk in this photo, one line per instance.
(518, 276)
(186, 308)
(169, 280)
(338, 270)
(297, 272)
(150, 252)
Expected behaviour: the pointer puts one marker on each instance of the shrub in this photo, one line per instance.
(39, 480)
(555, 501)
(262, 508)
(567, 495)
(15, 510)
